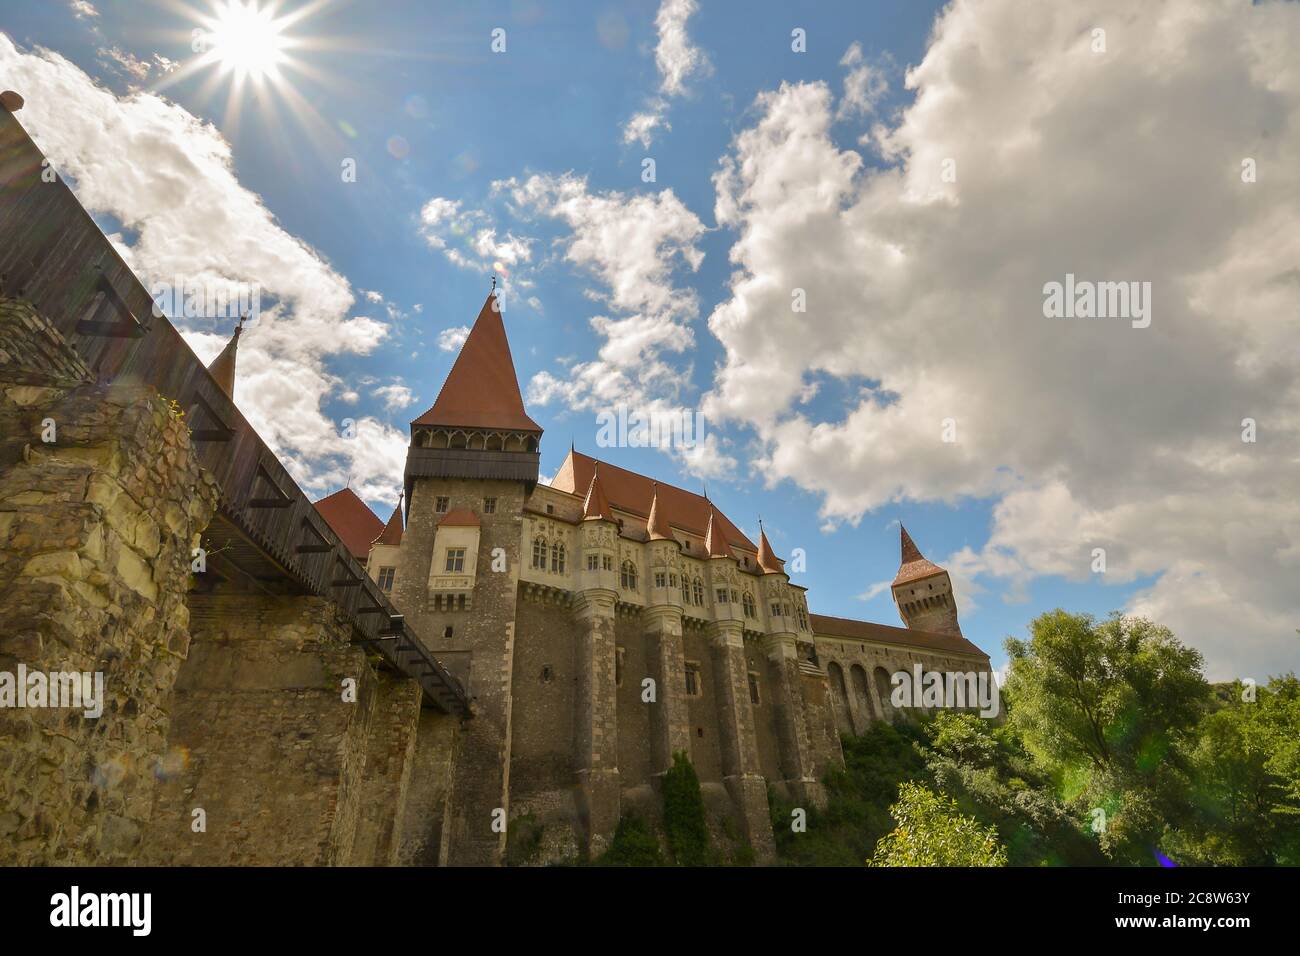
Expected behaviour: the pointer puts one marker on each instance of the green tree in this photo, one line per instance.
(685, 825)
(1103, 707)
(932, 832)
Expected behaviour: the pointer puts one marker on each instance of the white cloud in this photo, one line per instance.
(395, 396)
(677, 60)
(632, 245)
(169, 178)
(450, 340)
(864, 85)
(83, 9)
(925, 303)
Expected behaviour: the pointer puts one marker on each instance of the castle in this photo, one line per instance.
(282, 682)
(605, 621)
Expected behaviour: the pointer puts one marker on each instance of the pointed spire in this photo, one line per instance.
(715, 542)
(392, 533)
(223, 366)
(482, 390)
(910, 551)
(657, 523)
(768, 561)
(914, 564)
(596, 505)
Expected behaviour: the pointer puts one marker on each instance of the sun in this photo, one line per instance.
(245, 40)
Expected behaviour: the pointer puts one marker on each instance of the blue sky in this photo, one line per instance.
(415, 95)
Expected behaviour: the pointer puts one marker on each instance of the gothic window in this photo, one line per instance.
(440, 504)
(735, 596)
(455, 560)
(721, 595)
(386, 578)
(693, 679)
(489, 506)
(627, 578)
(803, 617)
(672, 580)
(557, 558)
(748, 602)
(539, 553)
(661, 579)
(776, 608)
(606, 563)
(686, 590)
(697, 591)
(753, 688)
(593, 562)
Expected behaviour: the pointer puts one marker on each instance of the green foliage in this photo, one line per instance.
(1244, 790)
(932, 832)
(1106, 709)
(634, 844)
(856, 815)
(684, 821)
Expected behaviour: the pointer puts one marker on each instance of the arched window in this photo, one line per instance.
(748, 603)
(697, 593)
(557, 558)
(627, 577)
(539, 553)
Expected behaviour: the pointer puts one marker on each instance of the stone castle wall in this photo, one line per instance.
(96, 531)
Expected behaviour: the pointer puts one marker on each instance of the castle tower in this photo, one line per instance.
(923, 592)
(222, 367)
(471, 464)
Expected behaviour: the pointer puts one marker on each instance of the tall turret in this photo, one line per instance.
(923, 592)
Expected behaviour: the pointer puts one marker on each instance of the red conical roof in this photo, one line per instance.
(657, 524)
(715, 542)
(768, 561)
(482, 390)
(596, 504)
(914, 564)
(392, 533)
(223, 366)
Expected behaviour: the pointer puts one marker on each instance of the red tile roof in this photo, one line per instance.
(657, 524)
(825, 626)
(596, 504)
(392, 533)
(914, 564)
(715, 542)
(634, 494)
(223, 366)
(459, 518)
(768, 561)
(482, 390)
(352, 520)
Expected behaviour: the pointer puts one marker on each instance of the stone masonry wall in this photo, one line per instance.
(263, 741)
(96, 529)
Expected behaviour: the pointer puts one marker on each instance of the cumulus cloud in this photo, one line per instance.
(677, 60)
(169, 179)
(450, 340)
(395, 396)
(633, 246)
(470, 239)
(83, 9)
(924, 279)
